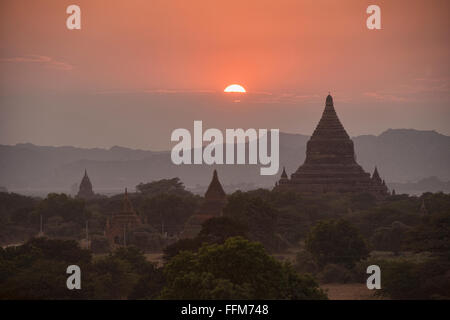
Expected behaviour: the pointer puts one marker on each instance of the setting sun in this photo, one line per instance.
(235, 88)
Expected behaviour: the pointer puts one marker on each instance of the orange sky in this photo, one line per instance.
(166, 61)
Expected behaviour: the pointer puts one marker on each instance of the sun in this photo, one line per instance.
(235, 88)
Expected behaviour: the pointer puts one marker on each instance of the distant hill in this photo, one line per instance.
(431, 184)
(402, 155)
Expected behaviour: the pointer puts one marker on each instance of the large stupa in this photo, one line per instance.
(330, 164)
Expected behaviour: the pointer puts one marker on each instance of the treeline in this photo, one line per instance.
(336, 236)
(163, 206)
(236, 269)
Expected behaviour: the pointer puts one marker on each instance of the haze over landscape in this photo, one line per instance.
(402, 156)
(133, 73)
(99, 100)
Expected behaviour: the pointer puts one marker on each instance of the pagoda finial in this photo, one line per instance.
(215, 188)
(329, 100)
(376, 177)
(283, 174)
(375, 174)
(85, 189)
(127, 207)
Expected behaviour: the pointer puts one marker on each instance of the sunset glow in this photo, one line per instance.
(235, 88)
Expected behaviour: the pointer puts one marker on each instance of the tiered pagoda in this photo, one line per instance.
(121, 223)
(212, 206)
(85, 191)
(330, 164)
(215, 198)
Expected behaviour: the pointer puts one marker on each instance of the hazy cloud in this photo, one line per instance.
(43, 60)
(385, 97)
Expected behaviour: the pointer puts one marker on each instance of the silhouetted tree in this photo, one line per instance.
(336, 241)
(68, 208)
(236, 269)
(217, 230)
(257, 215)
(168, 212)
(167, 186)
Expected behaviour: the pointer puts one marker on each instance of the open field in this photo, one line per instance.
(350, 291)
(155, 257)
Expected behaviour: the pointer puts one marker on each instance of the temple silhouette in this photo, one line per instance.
(122, 223)
(212, 206)
(330, 164)
(85, 191)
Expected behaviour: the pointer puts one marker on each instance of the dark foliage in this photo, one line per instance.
(336, 241)
(237, 269)
(164, 186)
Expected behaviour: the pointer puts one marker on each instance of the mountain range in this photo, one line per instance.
(402, 156)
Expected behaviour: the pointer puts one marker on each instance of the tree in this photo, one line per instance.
(182, 245)
(403, 279)
(134, 256)
(150, 283)
(125, 274)
(37, 270)
(99, 244)
(432, 235)
(42, 279)
(112, 278)
(72, 210)
(168, 212)
(390, 238)
(237, 269)
(167, 186)
(336, 241)
(257, 215)
(214, 230)
(217, 230)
